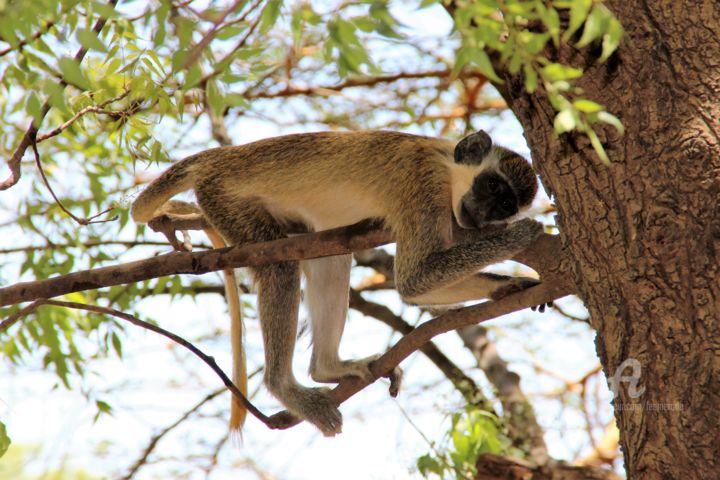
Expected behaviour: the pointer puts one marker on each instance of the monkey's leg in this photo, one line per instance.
(475, 287)
(244, 221)
(326, 298)
(420, 273)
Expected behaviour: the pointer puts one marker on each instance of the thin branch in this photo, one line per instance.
(29, 137)
(142, 460)
(91, 244)
(464, 384)
(99, 108)
(326, 90)
(544, 255)
(383, 366)
(209, 361)
(79, 220)
(208, 36)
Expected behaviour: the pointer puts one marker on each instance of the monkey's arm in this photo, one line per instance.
(450, 275)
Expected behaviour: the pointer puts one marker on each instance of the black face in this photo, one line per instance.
(490, 199)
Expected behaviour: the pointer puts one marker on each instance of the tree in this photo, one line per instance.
(188, 68)
(641, 234)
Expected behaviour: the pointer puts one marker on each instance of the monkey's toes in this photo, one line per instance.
(322, 412)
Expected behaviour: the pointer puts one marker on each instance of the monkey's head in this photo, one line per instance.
(503, 183)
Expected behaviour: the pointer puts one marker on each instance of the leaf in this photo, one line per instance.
(4, 439)
(599, 149)
(564, 121)
(531, 78)
(556, 71)
(578, 13)
(89, 39)
(595, 26)
(482, 61)
(269, 15)
(72, 73)
(611, 119)
(117, 344)
(611, 39)
(215, 98)
(587, 106)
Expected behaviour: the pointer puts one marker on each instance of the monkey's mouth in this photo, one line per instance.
(466, 220)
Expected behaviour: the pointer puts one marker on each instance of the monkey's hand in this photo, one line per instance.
(518, 284)
(523, 232)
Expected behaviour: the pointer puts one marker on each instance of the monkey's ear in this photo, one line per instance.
(472, 149)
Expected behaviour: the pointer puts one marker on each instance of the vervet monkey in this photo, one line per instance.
(419, 186)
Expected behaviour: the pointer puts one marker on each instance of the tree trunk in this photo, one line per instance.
(643, 234)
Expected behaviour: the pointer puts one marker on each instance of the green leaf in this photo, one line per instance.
(531, 78)
(611, 39)
(587, 106)
(595, 26)
(599, 149)
(611, 119)
(270, 15)
(72, 73)
(34, 107)
(578, 13)
(89, 39)
(117, 344)
(4, 439)
(556, 71)
(215, 98)
(482, 61)
(564, 121)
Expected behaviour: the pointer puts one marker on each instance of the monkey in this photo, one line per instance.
(450, 207)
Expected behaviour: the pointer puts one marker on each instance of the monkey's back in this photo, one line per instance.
(331, 179)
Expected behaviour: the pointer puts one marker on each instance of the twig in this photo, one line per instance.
(99, 108)
(29, 137)
(542, 293)
(209, 361)
(142, 460)
(464, 384)
(81, 221)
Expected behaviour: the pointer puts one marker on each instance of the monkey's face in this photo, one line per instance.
(490, 199)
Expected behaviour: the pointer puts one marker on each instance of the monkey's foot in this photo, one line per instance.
(517, 284)
(315, 406)
(333, 372)
(395, 377)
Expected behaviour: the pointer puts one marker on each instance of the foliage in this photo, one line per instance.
(524, 37)
(472, 433)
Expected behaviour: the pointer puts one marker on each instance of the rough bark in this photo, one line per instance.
(643, 234)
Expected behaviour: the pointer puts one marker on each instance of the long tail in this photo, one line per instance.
(174, 180)
(238, 412)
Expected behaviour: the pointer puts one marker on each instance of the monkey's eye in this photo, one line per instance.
(493, 185)
(506, 205)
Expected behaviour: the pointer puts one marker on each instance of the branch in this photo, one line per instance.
(523, 427)
(383, 366)
(79, 220)
(31, 133)
(142, 460)
(495, 467)
(464, 384)
(209, 361)
(293, 90)
(338, 241)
